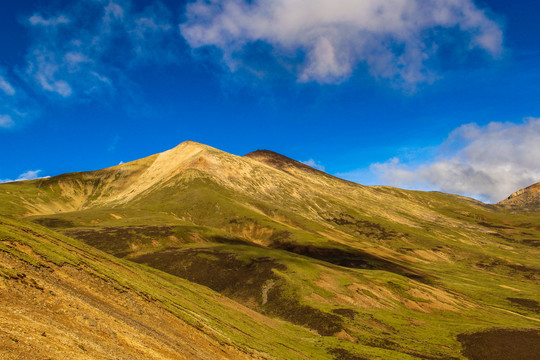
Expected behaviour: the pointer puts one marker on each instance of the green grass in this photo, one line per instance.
(198, 216)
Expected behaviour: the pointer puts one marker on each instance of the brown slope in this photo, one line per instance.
(524, 199)
(290, 166)
(281, 162)
(110, 186)
(61, 300)
(63, 312)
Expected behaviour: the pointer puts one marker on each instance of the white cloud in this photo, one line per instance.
(6, 121)
(314, 164)
(29, 175)
(487, 162)
(45, 70)
(97, 44)
(326, 40)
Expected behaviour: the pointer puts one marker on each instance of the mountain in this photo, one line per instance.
(275, 259)
(524, 199)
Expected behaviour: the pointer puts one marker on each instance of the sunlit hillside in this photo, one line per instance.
(197, 253)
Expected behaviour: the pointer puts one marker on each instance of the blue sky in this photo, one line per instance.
(412, 93)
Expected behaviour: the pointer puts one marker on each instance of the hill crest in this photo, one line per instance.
(279, 161)
(525, 199)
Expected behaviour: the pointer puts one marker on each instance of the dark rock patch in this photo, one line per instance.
(363, 227)
(532, 242)
(243, 280)
(531, 305)
(346, 313)
(526, 272)
(342, 354)
(351, 258)
(501, 344)
(116, 240)
(54, 222)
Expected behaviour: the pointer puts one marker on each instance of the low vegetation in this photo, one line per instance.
(266, 258)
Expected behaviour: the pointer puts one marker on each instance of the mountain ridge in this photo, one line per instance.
(357, 267)
(162, 166)
(280, 161)
(524, 199)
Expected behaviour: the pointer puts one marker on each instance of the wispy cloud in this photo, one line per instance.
(88, 49)
(325, 41)
(37, 19)
(6, 121)
(487, 162)
(5, 86)
(113, 144)
(314, 164)
(15, 106)
(29, 175)
(83, 52)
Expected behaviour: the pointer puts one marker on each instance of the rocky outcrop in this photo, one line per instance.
(525, 199)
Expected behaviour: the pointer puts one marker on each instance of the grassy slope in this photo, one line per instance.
(214, 319)
(421, 266)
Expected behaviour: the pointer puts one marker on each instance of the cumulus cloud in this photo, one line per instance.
(29, 175)
(487, 162)
(314, 164)
(325, 41)
(90, 47)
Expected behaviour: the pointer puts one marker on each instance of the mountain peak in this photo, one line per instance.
(165, 165)
(534, 188)
(525, 199)
(191, 144)
(279, 161)
(184, 153)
